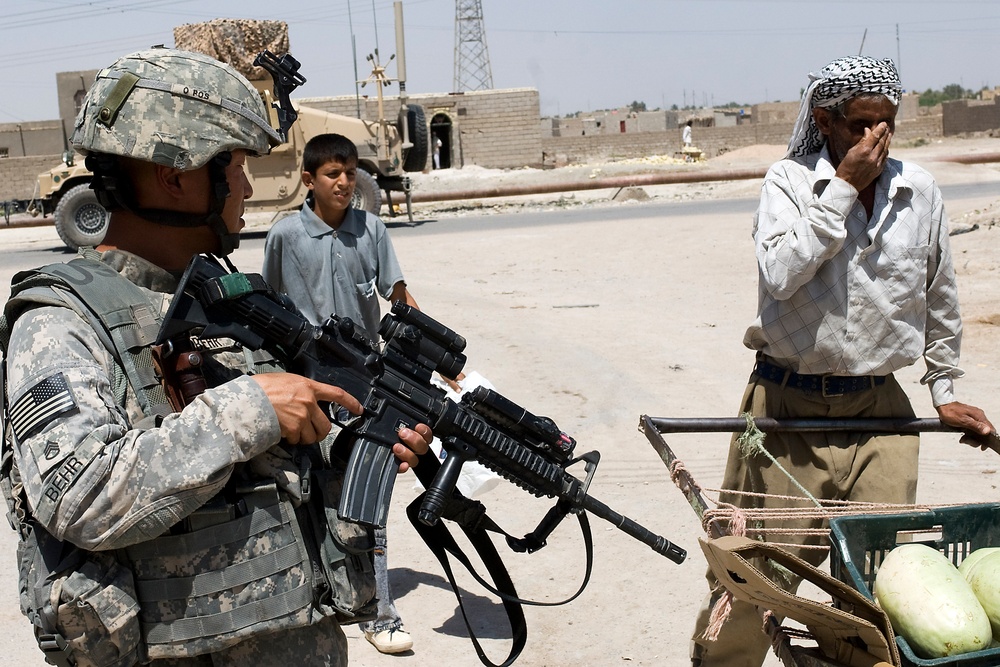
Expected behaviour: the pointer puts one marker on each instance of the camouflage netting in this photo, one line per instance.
(235, 41)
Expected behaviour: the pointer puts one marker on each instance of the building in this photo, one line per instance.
(496, 129)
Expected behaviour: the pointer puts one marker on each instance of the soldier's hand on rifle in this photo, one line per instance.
(412, 443)
(296, 399)
(978, 429)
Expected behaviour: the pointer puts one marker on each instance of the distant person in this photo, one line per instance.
(855, 282)
(686, 134)
(335, 259)
(437, 151)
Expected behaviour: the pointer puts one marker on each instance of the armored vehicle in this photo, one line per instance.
(387, 148)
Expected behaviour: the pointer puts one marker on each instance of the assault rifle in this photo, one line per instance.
(394, 386)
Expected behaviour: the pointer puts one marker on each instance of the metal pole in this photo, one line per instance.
(637, 180)
(354, 55)
(770, 425)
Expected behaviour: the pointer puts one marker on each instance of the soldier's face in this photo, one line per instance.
(239, 191)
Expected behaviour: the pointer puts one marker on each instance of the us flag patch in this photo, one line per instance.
(48, 399)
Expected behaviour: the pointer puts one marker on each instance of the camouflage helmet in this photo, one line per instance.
(175, 108)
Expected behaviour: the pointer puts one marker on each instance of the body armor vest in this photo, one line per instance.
(251, 560)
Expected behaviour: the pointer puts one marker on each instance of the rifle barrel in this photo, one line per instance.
(657, 543)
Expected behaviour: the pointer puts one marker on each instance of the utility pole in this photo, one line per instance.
(899, 62)
(354, 54)
(472, 60)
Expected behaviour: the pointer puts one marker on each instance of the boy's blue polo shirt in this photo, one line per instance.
(326, 271)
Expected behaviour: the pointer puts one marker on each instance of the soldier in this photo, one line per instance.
(201, 537)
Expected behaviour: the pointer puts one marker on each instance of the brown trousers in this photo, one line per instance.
(837, 466)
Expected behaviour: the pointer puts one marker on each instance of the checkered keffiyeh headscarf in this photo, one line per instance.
(838, 82)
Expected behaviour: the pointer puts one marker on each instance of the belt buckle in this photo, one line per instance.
(844, 380)
(823, 388)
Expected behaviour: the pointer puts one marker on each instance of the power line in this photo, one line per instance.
(92, 10)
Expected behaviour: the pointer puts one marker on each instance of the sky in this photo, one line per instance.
(581, 55)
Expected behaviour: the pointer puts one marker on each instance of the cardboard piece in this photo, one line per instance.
(855, 633)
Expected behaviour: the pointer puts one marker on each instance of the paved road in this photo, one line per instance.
(633, 308)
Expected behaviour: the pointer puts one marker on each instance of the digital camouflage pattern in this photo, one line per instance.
(139, 482)
(320, 645)
(175, 108)
(148, 501)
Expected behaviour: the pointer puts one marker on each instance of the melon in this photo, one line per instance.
(984, 579)
(930, 604)
(970, 561)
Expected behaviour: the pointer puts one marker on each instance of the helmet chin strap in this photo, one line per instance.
(107, 186)
(229, 241)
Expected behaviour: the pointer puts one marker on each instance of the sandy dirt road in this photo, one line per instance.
(594, 324)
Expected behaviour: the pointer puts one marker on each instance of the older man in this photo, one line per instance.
(855, 283)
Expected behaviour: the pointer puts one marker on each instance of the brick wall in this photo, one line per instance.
(713, 141)
(921, 127)
(40, 137)
(490, 128)
(18, 175)
(970, 116)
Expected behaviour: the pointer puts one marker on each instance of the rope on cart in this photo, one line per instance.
(751, 443)
(726, 518)
(755, 522)
(720, 518)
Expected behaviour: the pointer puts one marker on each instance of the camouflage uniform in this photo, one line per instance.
(141, 482)
(188, 538)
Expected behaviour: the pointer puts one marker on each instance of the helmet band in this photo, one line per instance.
(128, 81)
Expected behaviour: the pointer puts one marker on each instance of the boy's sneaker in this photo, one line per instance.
(390, 641)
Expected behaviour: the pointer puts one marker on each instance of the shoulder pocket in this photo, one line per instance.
(86, 598)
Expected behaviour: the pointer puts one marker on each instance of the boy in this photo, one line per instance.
(335, 259)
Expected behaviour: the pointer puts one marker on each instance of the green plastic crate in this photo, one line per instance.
(860, 542)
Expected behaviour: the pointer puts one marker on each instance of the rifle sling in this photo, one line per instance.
(439, 540)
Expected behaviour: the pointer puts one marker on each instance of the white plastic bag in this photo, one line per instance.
(475, 479)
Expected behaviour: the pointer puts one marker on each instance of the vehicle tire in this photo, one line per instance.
(367, 196)
(416, 122)
(80, 219)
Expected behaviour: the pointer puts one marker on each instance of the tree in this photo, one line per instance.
(637, 106)
(952, 91)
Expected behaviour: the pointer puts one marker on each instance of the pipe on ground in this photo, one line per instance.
(639, 180)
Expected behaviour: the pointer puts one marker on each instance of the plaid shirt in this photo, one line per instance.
(841, 294)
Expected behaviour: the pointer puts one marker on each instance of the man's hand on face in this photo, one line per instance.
(865, 161)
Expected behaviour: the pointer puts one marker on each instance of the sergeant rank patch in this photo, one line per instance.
(46, 400)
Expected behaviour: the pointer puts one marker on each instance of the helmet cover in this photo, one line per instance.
(171, 107)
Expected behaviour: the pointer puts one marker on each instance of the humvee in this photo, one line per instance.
(387, 150)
